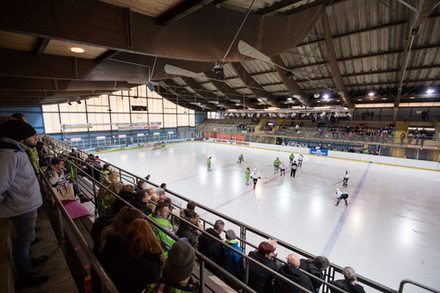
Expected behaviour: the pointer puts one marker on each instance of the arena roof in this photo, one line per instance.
(353, 51)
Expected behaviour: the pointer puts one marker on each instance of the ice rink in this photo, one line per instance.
(389, 232)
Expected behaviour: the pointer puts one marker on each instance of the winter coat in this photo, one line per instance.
(130, 274)
(211, 248)
(344, 285)
(260, 279)
(312, 269)
(294, 274)
(164, 287)
(233, 262)
(19, 188)
(185, 229)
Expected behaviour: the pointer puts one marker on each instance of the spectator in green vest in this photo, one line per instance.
(160, 216)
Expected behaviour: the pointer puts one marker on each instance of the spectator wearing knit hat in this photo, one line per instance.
(177, 271)
(233, 261)
(20, 196)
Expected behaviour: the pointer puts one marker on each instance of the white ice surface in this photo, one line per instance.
(390, 231)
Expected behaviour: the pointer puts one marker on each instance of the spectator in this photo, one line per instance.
(56, 177)
(141, 201)
(161, 191)
(20, 197)
(185, 229)
(160, 216)
(233, 261)
(110, 178)
(104, 173)
(315, 267)
(177, 272)
(110, 240)
(349, 282)
(43, 158)
(402, 137)
(210, 247)
(106, 200)
(140, 185)
(19, 116)
(259, 278)
(292, 272)
(139, 260)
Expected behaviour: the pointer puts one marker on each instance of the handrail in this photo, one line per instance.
(407, 281)
(232, 278)
(105, 279)
(363, 280)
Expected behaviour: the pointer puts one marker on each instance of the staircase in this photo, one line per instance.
(259, 125)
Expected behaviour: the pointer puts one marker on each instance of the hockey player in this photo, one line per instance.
(341, 195)
(247, 174)
(240, 159)
(282, 169)
(293, 168)
(291, 157)
(276, 165)
(255, 177)
(300, 160)
(346, 177)
(208, 163)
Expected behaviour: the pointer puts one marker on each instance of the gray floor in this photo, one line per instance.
(389, 232)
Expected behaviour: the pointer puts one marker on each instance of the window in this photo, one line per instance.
(51, 122)
(170, 120)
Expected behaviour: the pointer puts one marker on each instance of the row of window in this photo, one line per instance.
(107, 112)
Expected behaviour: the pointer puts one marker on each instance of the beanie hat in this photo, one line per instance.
(16, 130)
(230, 235)
(180, 262)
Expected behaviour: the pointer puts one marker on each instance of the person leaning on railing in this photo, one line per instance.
(349, 283)
(315, 266)
(187, 230)
(291, 270)
(259, 278)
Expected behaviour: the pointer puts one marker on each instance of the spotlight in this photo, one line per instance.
(68, 102)
(151, 86)
(316, 95)
(371, 94)
(326, 96)
(430, 91)
(289, 98)
(78, 100)
(218, 71)
(289, 74)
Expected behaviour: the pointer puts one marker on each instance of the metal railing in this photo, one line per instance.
(61, 214)
(244, 230)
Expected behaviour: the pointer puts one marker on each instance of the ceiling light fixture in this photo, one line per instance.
(289, 98)
(412, 98)
(77, 50)
(326, 96)
(68, 102)
(384, 99)
(316, 95)
(218, 71)
(371, 94)
(430, 91)
(78, 100)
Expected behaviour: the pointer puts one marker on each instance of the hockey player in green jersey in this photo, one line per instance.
(276, 165)
(240, 159)
(247, 174)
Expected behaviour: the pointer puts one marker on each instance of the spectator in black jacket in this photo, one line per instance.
(349, 282)
(211, 248)
(315, 267)
(260, 279)
(292, 272)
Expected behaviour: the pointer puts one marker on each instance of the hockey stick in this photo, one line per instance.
(339, 182)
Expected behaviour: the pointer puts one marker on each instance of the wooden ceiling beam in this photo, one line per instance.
(34, 84)
(180, 11)
(21, 64)
(334, 66)
(41, 46)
